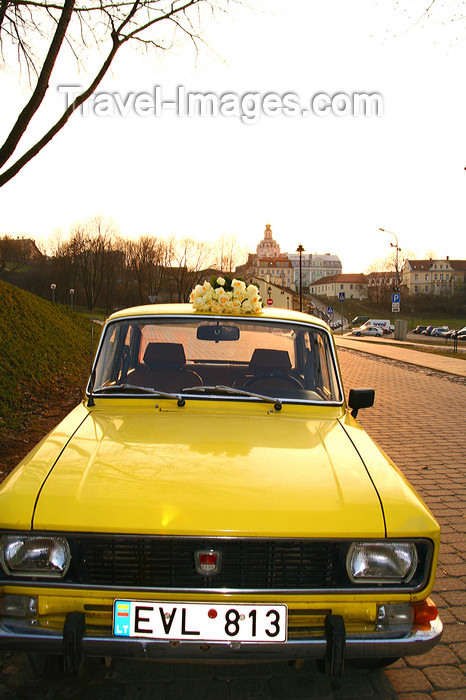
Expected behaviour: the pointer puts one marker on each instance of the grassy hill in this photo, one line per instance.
(45, 352)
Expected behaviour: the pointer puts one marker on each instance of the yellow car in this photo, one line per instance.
(213, 497)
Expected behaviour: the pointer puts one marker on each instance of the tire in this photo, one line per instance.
(45, 665)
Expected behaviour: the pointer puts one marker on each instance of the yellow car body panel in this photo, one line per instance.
(405, 512)
(18, 492)
(155, 310)
(196, 471)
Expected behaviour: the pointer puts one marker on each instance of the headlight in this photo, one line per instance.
(35, 555)
(381, 562)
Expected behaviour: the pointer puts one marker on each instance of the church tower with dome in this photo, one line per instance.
(268, 247)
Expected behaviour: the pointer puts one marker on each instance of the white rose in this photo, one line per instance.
(238, 285)
(246, 306)
(220, 281)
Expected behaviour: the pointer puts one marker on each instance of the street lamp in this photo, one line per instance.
(300, 250)
(397, 250)
(72, 295)
(53, 288)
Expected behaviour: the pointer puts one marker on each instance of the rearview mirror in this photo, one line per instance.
(217, 333)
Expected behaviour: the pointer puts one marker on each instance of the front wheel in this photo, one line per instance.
(45, 665)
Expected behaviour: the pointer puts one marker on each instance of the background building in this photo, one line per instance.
(270, 264)
(268, 247)
(353, 285)
(314, 267)
(433, 276)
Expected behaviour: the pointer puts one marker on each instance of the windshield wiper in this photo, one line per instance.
(221, 389)
(130, 388)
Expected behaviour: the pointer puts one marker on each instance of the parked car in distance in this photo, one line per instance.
(213, 497)
(419, 329)
(440, 331)
(368, 330)
(428, 330)
(384, 324)
(460, 334)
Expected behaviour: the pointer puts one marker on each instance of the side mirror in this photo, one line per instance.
(360, 398)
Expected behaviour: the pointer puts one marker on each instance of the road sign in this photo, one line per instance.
(269, 302)
(152, 298)
(341, 296)
(329, 310)
(395, 307)
(396, 298)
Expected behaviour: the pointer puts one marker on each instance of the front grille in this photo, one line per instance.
(169, 562)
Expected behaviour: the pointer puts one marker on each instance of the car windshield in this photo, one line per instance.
(207, 357)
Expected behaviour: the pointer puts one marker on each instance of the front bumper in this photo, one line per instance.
(76, 642)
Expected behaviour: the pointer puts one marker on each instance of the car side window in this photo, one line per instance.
(323, 360)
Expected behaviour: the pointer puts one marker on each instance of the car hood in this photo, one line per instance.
(180, 471)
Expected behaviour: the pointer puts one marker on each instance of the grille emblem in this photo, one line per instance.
(207, 561)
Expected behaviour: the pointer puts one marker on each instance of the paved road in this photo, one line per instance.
(418, 419)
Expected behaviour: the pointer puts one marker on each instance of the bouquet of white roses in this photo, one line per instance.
(226, 296)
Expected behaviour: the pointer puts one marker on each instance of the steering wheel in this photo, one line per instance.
(280, 375)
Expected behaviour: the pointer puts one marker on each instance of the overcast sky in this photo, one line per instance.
(327, 182)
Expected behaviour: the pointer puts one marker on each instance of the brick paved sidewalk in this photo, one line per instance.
(418, 419)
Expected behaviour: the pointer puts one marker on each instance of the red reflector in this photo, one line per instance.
(424, 613)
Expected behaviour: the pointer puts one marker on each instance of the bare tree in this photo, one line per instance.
(27, 26)
(190, 259)
(13, 253)
(148, 259)
(228, 254)
(382, 274)
(433, 12)
(89, 251)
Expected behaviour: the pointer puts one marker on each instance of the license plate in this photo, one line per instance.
(208, 622)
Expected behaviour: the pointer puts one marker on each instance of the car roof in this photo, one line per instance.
(188, 310)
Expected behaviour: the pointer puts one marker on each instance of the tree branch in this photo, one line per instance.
(29, 155)
(42, 85)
